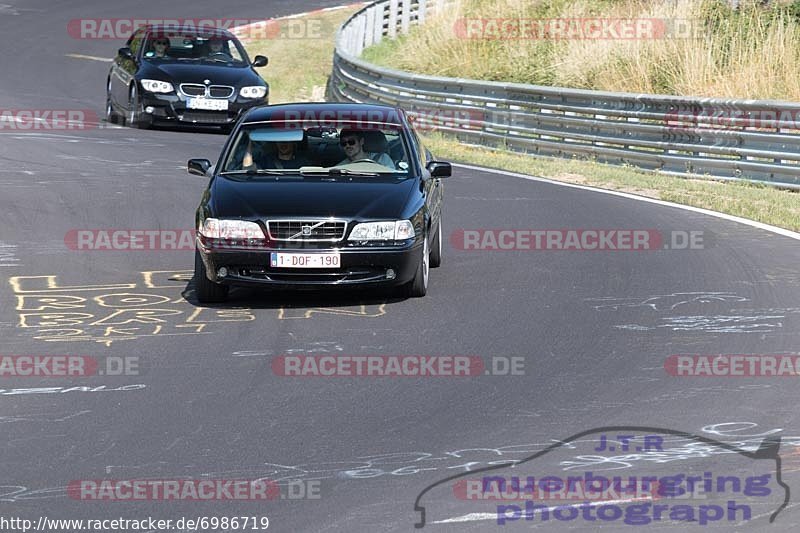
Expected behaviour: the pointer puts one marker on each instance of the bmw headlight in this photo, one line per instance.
(391, 230)
(256, 91)
(157, 86)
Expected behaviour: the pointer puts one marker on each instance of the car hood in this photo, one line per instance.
(311, 197)
(193, 72)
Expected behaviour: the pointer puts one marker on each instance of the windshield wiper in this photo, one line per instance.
(337, 172)
(260, 171)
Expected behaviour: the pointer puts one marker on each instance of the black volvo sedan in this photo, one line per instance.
(183, 75)
(319, 195)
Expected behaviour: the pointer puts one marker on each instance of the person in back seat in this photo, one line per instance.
(352, 142)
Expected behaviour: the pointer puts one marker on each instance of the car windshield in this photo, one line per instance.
(307, 149)
(164, 45)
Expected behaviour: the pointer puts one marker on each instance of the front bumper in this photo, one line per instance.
(368, 267)
(172, 108)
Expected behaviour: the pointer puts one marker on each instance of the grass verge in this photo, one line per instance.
(684, 47)
(299, 69)
(748, 200)
(301, 58)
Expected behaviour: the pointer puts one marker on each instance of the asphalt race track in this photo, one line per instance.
(593, 330)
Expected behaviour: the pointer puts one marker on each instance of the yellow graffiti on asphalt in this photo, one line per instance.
(152, 306)
(372, 311)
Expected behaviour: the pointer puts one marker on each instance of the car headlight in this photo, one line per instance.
(392, 230)
(232, 230)
(256, 91)
(157, 86)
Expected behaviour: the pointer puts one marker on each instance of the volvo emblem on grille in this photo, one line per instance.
(206, 81)
(306, 230)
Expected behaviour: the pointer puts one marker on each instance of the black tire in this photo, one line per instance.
(111, 116)
(418, 287)
(436, 247)
(136, 118)
(207, 291)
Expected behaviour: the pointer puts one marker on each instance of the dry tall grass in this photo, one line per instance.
(750, 52)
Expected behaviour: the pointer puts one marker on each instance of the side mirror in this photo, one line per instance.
(198, 167)
(125, 52)
(439, 169)
(260, 61)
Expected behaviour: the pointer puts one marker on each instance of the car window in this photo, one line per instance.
(267, 147)
(191, 46)
(135, 42)
(220, 50)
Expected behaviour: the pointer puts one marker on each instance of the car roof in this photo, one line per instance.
(303, 110)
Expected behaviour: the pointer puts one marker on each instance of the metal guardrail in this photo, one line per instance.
(728, 139)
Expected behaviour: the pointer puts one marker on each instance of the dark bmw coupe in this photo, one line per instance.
(196, 77)
(319, 195)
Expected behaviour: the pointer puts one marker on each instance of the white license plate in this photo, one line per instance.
(208, 104)
(295, 260)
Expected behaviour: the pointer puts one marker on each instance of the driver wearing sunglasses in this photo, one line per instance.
(160, 47)
(352, 142)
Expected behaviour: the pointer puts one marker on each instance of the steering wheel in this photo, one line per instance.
(213, 54)
(367, 160)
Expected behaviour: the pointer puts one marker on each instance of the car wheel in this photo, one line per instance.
(135, 112)
(111, 115)
(418, 286)
(206, 290)
(436, 247)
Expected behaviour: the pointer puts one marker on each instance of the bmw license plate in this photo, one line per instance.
(207, 104)
(296, 260)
